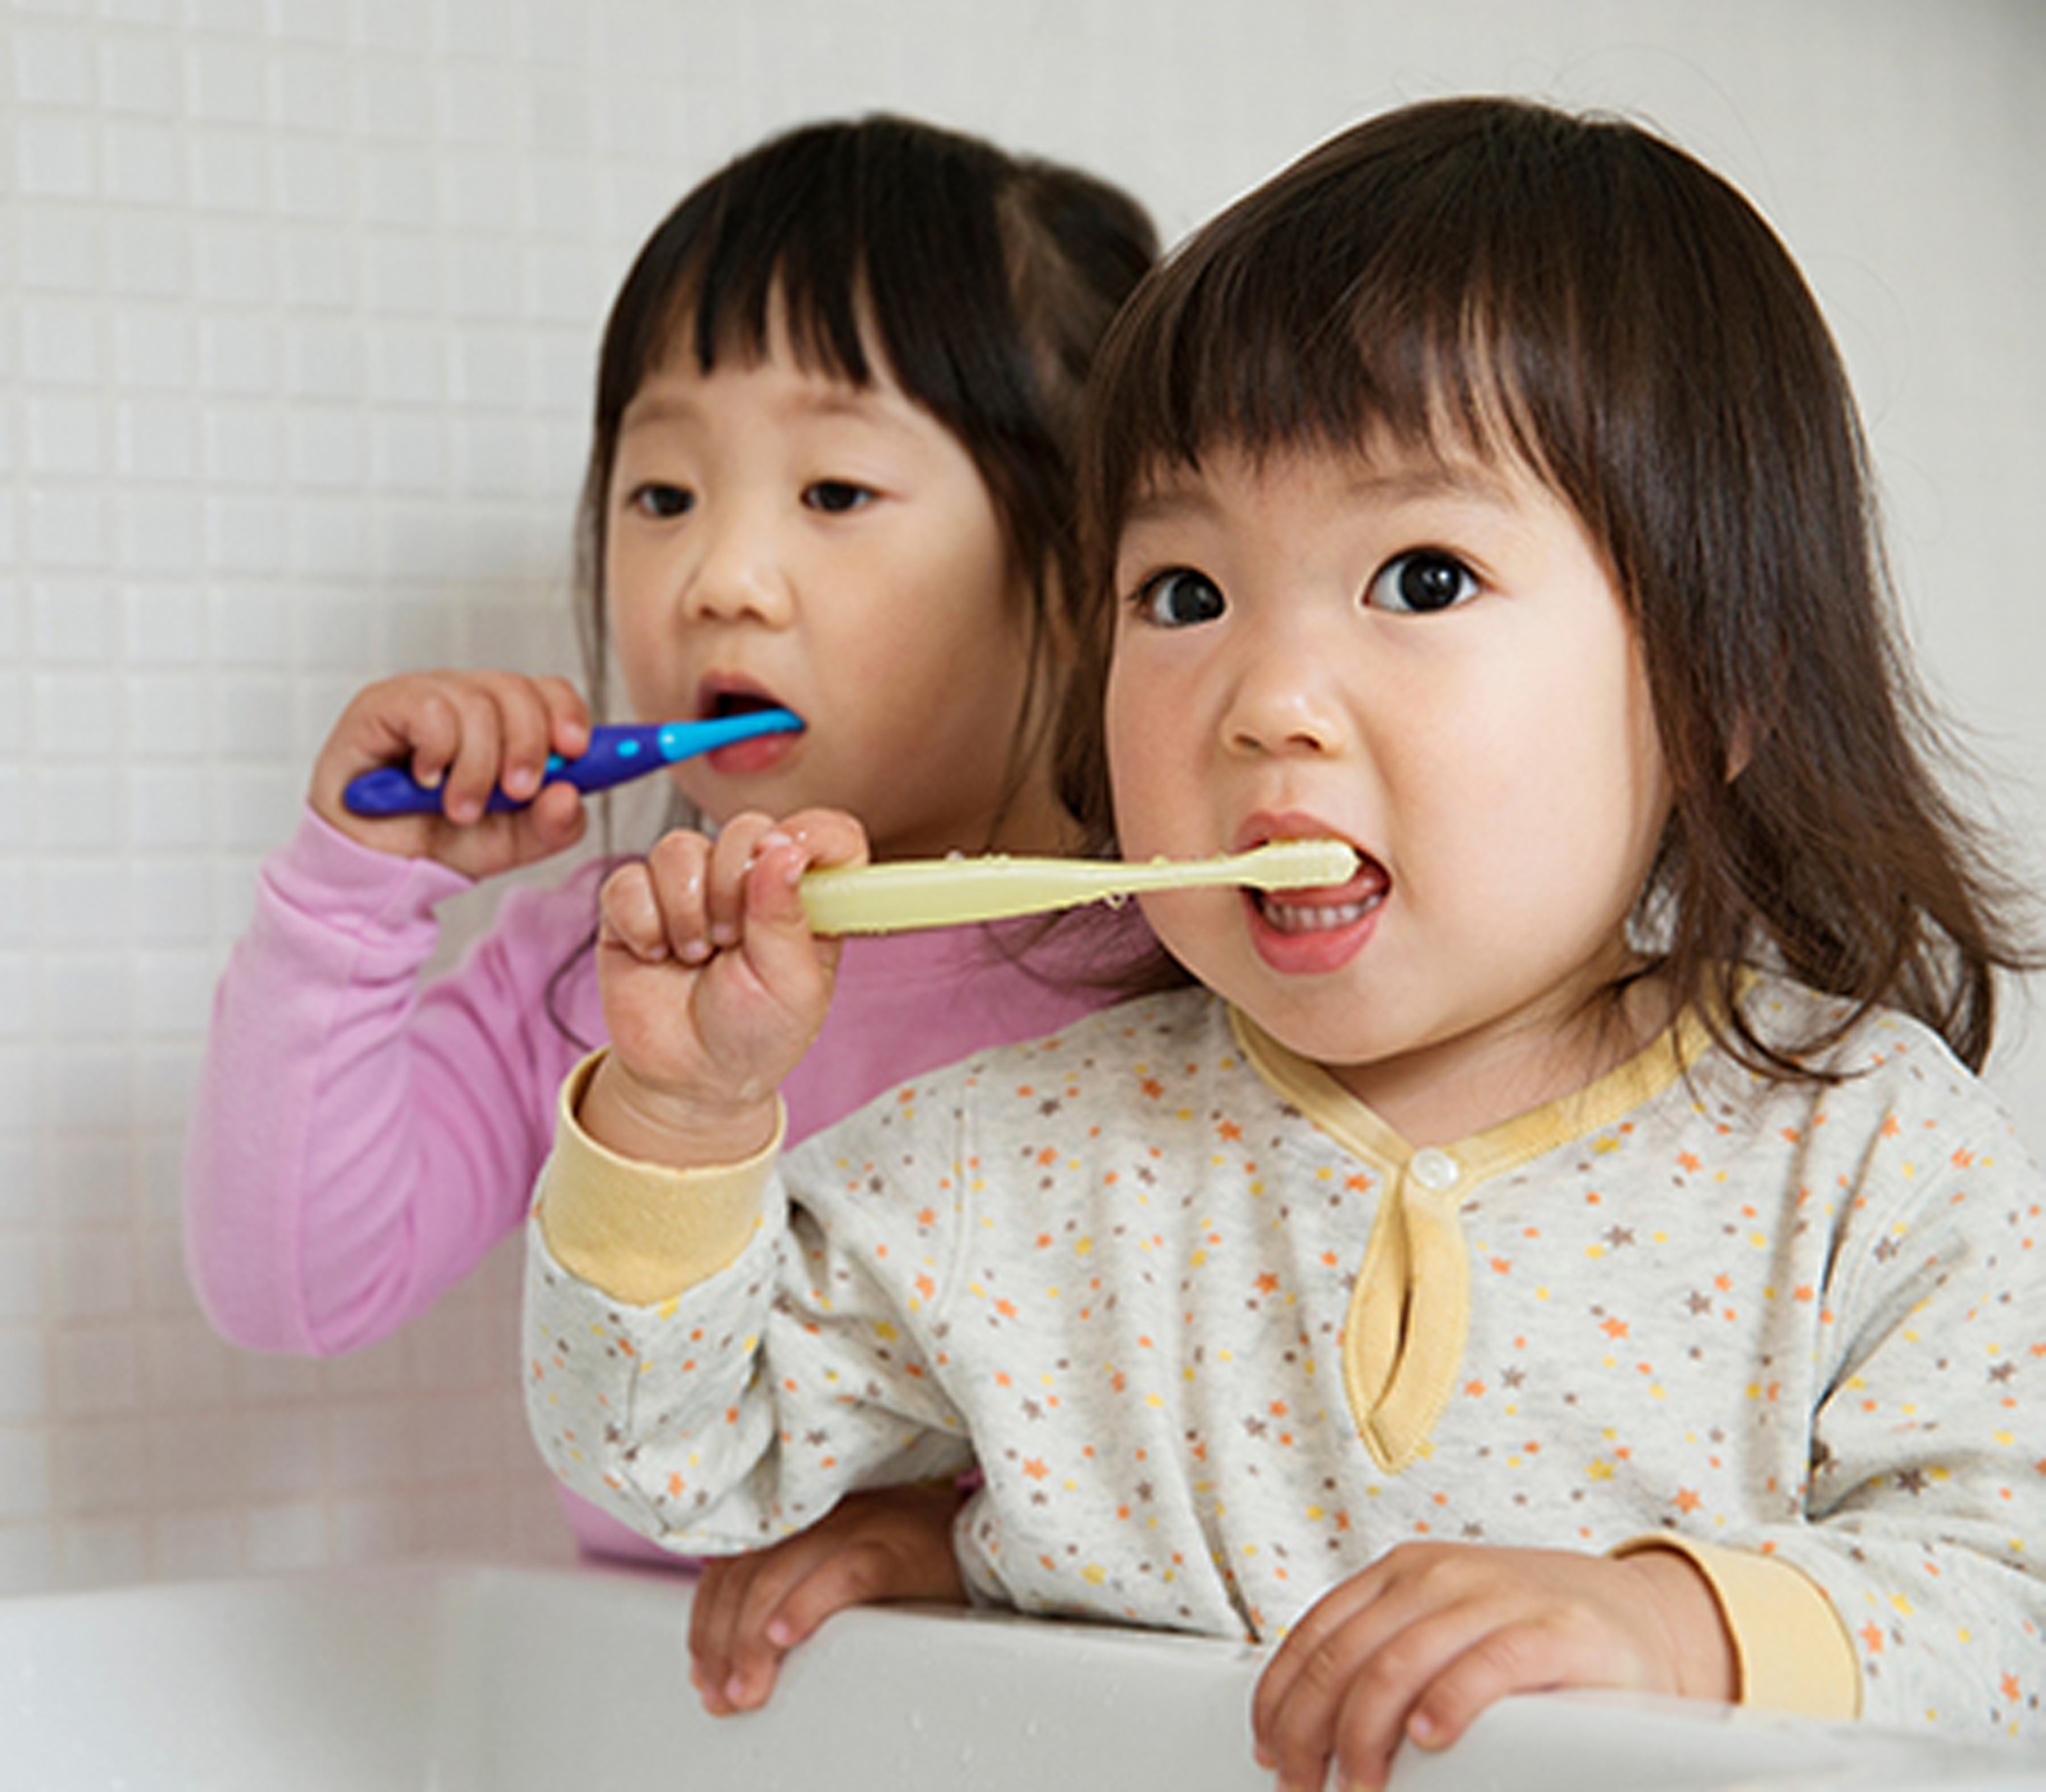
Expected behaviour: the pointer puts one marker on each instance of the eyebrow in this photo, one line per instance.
(1469, 480)
(651, 407)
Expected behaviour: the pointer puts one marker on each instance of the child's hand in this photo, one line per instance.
(889, 1544)
(713, 986)
(469, 732)
(1430, 1634)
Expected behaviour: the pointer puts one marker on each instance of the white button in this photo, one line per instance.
(1435, 1170)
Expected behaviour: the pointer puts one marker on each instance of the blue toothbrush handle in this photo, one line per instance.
(617, 753)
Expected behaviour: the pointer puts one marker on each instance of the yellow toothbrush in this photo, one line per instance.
(894, 899)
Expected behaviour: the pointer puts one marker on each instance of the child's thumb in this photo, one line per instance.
(786, 956)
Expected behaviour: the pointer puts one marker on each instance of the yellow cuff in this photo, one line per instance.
(643, 1232)
(1792, 1652)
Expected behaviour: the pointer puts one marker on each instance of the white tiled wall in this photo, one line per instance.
(297, 304)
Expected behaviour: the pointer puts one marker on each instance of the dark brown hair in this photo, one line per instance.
(1580, 295)
(983, 279)
(985, 282)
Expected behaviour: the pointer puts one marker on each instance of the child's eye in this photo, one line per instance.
(663, 501)
(836, 496)
(1421, 582)
(1179, 599)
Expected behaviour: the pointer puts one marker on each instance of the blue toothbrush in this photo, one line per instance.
(617, 753)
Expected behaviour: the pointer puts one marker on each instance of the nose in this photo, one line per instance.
(738, 570)
(1283, 699)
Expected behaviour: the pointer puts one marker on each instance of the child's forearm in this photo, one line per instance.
(303, 1183)
(688, 1331)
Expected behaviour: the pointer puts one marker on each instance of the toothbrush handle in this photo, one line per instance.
(909, 894)
(617, 753)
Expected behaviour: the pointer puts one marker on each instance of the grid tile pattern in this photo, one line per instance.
(297, 304)
(300, 302)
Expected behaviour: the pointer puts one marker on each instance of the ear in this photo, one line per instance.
(1740, 745)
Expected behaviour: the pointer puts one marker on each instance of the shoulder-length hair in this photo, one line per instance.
(1495, 277)
(982, 280)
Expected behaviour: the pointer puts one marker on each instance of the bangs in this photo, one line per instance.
(847, 244)
(1389, 294)
(775, 248)
(798, 265)
(1298, 355)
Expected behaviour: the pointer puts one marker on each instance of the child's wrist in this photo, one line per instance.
(1702, 1661)
(653, 1125)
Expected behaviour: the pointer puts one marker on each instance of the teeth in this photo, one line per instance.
(1306, 918)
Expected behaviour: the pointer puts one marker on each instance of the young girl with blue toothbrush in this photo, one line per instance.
(831, 470)
(1573, 1250)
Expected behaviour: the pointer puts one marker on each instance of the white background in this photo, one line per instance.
(297, 307)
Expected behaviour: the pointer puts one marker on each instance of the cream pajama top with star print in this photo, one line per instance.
(1218, 1339)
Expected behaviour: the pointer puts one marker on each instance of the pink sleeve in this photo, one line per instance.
(357, 1142)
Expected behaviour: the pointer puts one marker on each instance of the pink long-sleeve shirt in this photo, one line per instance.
(361, 1137)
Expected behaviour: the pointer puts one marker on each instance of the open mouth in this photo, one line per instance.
(1287, 914)
(722, 703)
(728, 696)
(1326, 909)
(766, 730)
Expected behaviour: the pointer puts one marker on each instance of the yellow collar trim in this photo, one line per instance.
(1409, 1313)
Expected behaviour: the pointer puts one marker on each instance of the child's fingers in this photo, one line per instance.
(713, 1622)
(524, 724)
(418, 719)
(731, 856)
(678, 874)
(630, 915)
(460, 734)
(864, 1572)
(723, 892)
(1296, 1724)
(785, 955)
(1312, 1654)
(829, 836)
(1343, 1681)
(783, 1606)
(782, 854)
(1386, 1679)
(537, 718)
(477, 732)
(568, 716)
(410, 720)
(471, 771)
(732, 1657)
(1425, 1639)
(751, 1611)
(752, 896)
(761, 1635)
(1529, 1657)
